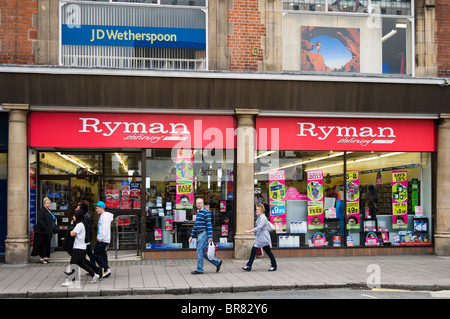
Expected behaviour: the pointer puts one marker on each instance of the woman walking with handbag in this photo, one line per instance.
(262, 239)
(43, 232)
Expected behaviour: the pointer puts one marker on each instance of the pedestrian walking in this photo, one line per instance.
(89, 222)
(43, 232)
(203, 229)
(262, 239)
(103, 238)
(78, 256)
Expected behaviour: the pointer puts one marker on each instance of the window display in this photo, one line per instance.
(347, 43)
(384, 199)
(173, 184)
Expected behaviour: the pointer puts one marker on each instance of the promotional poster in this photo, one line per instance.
(399, 199)
(314, 191)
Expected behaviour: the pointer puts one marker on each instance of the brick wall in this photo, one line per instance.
(443, 37)
(18, 31)
(248, 30)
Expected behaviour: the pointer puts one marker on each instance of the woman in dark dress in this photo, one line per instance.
(43, 232)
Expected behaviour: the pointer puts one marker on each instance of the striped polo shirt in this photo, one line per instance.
(202, 223)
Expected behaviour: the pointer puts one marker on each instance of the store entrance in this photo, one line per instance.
(65, 193)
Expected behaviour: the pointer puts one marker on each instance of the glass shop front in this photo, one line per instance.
(148, 169)
(337, 182)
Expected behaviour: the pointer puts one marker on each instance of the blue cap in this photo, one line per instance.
(101, 204)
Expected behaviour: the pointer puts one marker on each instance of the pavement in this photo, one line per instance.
(133, 276)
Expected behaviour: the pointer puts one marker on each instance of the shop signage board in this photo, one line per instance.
(132, 36)
(112, 130)
(277, 199)
(399, 199)
(314, 191)
(345, 134)
(353, 208)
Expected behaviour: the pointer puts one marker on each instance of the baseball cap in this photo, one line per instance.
(101, 204)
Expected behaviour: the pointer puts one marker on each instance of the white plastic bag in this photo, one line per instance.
(210, 251)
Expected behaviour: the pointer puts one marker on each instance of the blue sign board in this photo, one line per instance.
(104, 35)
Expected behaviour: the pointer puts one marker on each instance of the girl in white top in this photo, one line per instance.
(79, 247)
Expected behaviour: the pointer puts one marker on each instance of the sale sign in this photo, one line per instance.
(314, 191)
(184, 179)
(352, 184)
(277, 195)
(399, 199)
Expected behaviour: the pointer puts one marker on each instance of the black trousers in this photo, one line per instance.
(41, 245)
(273, 262)
(79, 258)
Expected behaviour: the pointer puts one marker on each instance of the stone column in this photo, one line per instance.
(245, 216)
(17, 242)
(442, 234)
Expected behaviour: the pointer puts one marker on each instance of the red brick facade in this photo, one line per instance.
(442, 37)
(245, 40)
(17, 31)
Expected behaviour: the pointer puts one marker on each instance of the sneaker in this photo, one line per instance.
(68, 283)
(107, 273)
(95, 279)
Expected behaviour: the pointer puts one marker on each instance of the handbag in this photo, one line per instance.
(271, 226)
(211, 250)
(55, 228)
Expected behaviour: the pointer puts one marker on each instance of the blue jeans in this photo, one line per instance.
(202, 242)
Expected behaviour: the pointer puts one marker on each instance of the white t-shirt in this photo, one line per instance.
(79, 237)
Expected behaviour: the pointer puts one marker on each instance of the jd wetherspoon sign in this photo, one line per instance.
(101, 35)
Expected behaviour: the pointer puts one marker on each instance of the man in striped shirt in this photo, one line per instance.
(203, 229)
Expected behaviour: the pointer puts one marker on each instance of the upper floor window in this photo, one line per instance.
(390, 7)
(161, 2)
(155, 35)
(348, 36)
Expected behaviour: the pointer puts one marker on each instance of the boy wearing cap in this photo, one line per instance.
(103, 237)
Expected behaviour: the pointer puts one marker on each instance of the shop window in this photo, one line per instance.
(370, 42)
(174, 181)
(60, 163)
(122, 164)
(162, 2)
(384, 199)
(123, 180)
(389, 7)
(161, 35)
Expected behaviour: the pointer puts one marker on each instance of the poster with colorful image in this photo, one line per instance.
(314, 192)
(319, 239)
(112, 199)
(352, 184)
(399, 199)
(169, 224)
(224, 230)
(158, 234)
(184, 179)
(329, 49)
(371, 239)
(277, 203)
